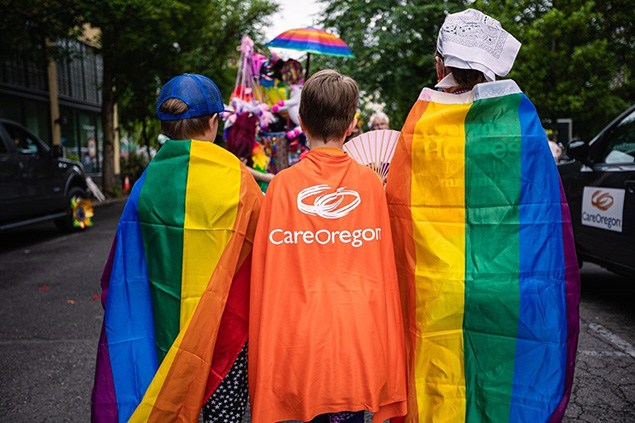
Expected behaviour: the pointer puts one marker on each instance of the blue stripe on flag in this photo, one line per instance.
(128, 314)
(539, 366)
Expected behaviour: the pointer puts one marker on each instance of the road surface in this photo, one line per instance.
(51, 318)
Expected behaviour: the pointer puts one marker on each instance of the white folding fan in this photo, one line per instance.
(374, 149)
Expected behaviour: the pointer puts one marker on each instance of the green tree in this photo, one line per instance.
(143, 44)
(393, 43)
(577, 57)
(210, 51)
(217, 55)
(146, 42)
(138, 38)
(27, 24)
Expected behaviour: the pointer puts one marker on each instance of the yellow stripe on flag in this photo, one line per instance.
(211, 207)
(438, 214)
(209, 220)
(145, 407)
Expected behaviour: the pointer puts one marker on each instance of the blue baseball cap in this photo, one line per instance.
(197, 91)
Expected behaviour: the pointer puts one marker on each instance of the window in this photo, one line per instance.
(70, 135)
(23, 142)
(10, 108)
(36, 119)
(27, 72)
(80, 76)
(620, 142)
(90, 75)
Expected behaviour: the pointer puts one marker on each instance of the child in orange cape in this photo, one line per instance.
(325, 330)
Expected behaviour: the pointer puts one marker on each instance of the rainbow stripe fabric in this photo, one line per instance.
(486, 260)
(175, 288)
(311, 40)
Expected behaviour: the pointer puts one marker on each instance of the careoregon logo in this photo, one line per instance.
(328, 203)
(602, 200)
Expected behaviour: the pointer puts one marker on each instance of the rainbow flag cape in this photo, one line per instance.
(486, 260)
(176, 285)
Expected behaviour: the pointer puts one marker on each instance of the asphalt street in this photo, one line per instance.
(51, 315)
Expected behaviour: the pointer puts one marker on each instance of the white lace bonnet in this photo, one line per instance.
(473, 40)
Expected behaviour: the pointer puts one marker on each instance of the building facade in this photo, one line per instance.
(60, 101)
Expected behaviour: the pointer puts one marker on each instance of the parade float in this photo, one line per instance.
(270, 88)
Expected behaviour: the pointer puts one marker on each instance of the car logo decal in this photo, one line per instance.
(602, 200)
(603, 208)
(328, 205)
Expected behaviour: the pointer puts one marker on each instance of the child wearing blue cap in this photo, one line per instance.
(188, 108)
(176, 287)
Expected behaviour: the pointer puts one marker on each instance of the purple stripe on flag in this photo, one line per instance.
(572, 277)
(103, 400)
(105, 276)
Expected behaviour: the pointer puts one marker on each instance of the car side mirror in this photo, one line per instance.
(579, 150)
(57, 151)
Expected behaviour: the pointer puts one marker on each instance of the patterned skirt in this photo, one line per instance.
(229, 402)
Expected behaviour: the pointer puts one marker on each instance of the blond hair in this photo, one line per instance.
(328, 104)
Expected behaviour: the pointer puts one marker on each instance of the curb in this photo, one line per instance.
(110, 202)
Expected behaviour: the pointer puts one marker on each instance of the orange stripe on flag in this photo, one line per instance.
(398, 193)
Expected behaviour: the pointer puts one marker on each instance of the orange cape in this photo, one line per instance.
(326, 331)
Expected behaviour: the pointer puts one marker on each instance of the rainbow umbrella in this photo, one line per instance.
(311, 40)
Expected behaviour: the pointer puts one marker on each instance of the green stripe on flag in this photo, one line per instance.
(162, 214)
(492, 294)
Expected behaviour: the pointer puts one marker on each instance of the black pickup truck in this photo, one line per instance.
(599, 180)
(36, 183)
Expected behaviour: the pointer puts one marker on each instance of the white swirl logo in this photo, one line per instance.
(328, 205)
